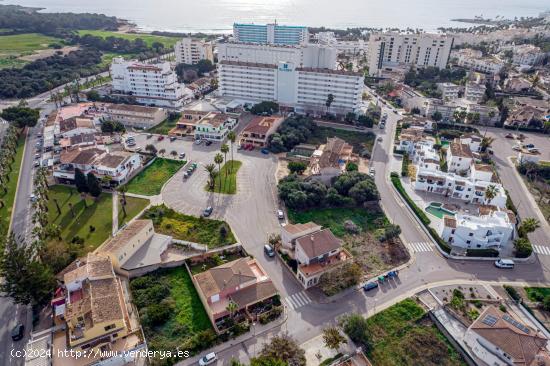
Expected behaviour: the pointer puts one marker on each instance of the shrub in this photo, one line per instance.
(523, 247)
(297, 167)
(512, 292)
(356, 327)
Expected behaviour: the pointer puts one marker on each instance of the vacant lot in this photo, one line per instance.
(149, 182)
(404, 335)
(89, 219)
(360, 141)
(171, 313)
(226, 180)
(149, 39)
(7, 196)
(214, 233)
(540, 196)
(133, 207)
(165, 126)
(14, 46)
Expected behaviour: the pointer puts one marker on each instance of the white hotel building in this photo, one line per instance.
(151, 84)
(389, 50)
(191, 50)
(303, 88)
(270, 34)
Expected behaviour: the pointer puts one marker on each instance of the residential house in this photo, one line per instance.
(290, 232)
(330, 159)
(82, 140)
(527, 116)
(474, 92)
(459, 157)
(496, 338)
(135, 116)
(472, 140)
(215, 126)
(517, 84)
(76, 126)
(528, 55)
(187, 122)
(318, 253)
(449, 91)
(242, 281)
(200, 86)
(257, 132)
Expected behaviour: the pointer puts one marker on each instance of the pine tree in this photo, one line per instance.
(94, 186)
(80, 181)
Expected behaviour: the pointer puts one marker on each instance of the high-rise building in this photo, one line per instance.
(390, 50)
(270, 34)
(300, 55)
(191, 50)
(151, 84)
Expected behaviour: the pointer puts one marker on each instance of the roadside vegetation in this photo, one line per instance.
(165, 126)
(537, 180)
(149, 182)
(401, 335)
(213, 233)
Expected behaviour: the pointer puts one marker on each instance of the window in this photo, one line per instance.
(471, 234)
(468, 241)
(109, 327)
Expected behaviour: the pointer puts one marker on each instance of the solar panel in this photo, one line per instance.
(516, 324)
(489, 320)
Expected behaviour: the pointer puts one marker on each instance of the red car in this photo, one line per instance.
(160, 138)
(250, 147)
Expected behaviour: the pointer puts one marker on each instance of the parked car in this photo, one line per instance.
(504, 263)
(250, 147)
(528, 146)
(533, 150)
(149, 135)
(36, 163)
(370, 286)
(172, 138)
(198, 142)
(208, 143)
(379, 138)
(182, 155)
(280, 214)
(268, 250)
(208, 359)
(18, 332)
(160, 138)
(371, 172)
(239, 147)
(264, 151)
(186, 175)
(207, 212)
(382, 125)
(509, 136)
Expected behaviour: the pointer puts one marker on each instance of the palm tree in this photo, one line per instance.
(490, 193)
(218, 159)
(211, 169)
(57, 206)
(231, 136)
(231, 308)
(330, 99)
(486, 143)
(529, 225)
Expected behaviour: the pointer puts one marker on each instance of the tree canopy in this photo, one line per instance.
(21, 116)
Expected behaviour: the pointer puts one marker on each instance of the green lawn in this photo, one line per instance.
(173, 289)
(537, 293)
(359, 140)
(165, 126)
(149, 182)
(133, 207)
(190, 228)
(226, 182)
(149, 39)
(404, 335)
(9, 197)
(334, 218)
(97, 213)
(13, 46)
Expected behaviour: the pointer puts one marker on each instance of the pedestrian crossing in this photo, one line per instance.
(540, 249)
(421, 247)
(297, 300)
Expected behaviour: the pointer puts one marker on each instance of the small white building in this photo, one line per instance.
(472, 140)
(489, 230)
(459, 157)
(215, 126)
(449, 91)
(191, 50)
(151, 84)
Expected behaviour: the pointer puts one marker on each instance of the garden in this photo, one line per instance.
(401, 335)
(149, 182)
(226, 179)
(535, 299)
(129, 207)
(213, 233)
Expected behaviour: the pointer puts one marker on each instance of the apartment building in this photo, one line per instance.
(118, 165)
(151, 84)
(491, 229)
(257, 132)
(304, 89)
(459, 157)
(474, 60)
(528, 55)
(449, 91)
(134, 116)
(390, 49)
(351, 48)
(270, 34)
(309, 55)
(474, 92)
(191, 50)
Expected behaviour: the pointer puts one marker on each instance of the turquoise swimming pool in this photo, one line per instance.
(436, 209)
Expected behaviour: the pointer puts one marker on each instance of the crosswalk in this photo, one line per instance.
(540, 249)
(297, 300)
(421, 247)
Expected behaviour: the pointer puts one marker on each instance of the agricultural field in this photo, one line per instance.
(14, 48)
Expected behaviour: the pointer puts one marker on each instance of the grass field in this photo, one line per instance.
(133, 207)
(404, 335)
(13, 46)
(149, 39)
(173, 289)
(97, 213)
(190, 228)
(149, 182)
(334, 218)
(226, 182)
(358, 140)
(165, 126)
(9, 197)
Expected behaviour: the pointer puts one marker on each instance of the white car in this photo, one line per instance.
(371, 172)
(516, 147)
(280, 214)
(208, 359)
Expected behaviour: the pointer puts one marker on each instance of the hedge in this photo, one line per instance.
(405, 165)
(489, 253)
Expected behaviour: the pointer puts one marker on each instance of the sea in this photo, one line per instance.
(218, 16)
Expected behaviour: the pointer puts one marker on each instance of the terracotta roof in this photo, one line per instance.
(214, 119)
(261, 125)
(82, 138)
(449, 222)
(300, 228)
(227, 275)
(124, 236)
(105, 298)
(318, 243)
(462, 150)
(252, 294)
(516, 339)
(99, 266)
(333, 151)
(80, 156)
(75, 122)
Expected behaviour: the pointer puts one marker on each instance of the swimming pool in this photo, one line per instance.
(436, 209)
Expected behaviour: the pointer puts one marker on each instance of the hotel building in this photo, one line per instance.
(270, 34)
(191, 50)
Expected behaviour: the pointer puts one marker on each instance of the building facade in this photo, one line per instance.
(151, 84)
(474, 60)
(387, 50)
(134, 115)
(270, 34)
(191, 50)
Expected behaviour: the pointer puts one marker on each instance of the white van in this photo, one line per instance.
(504, 263)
